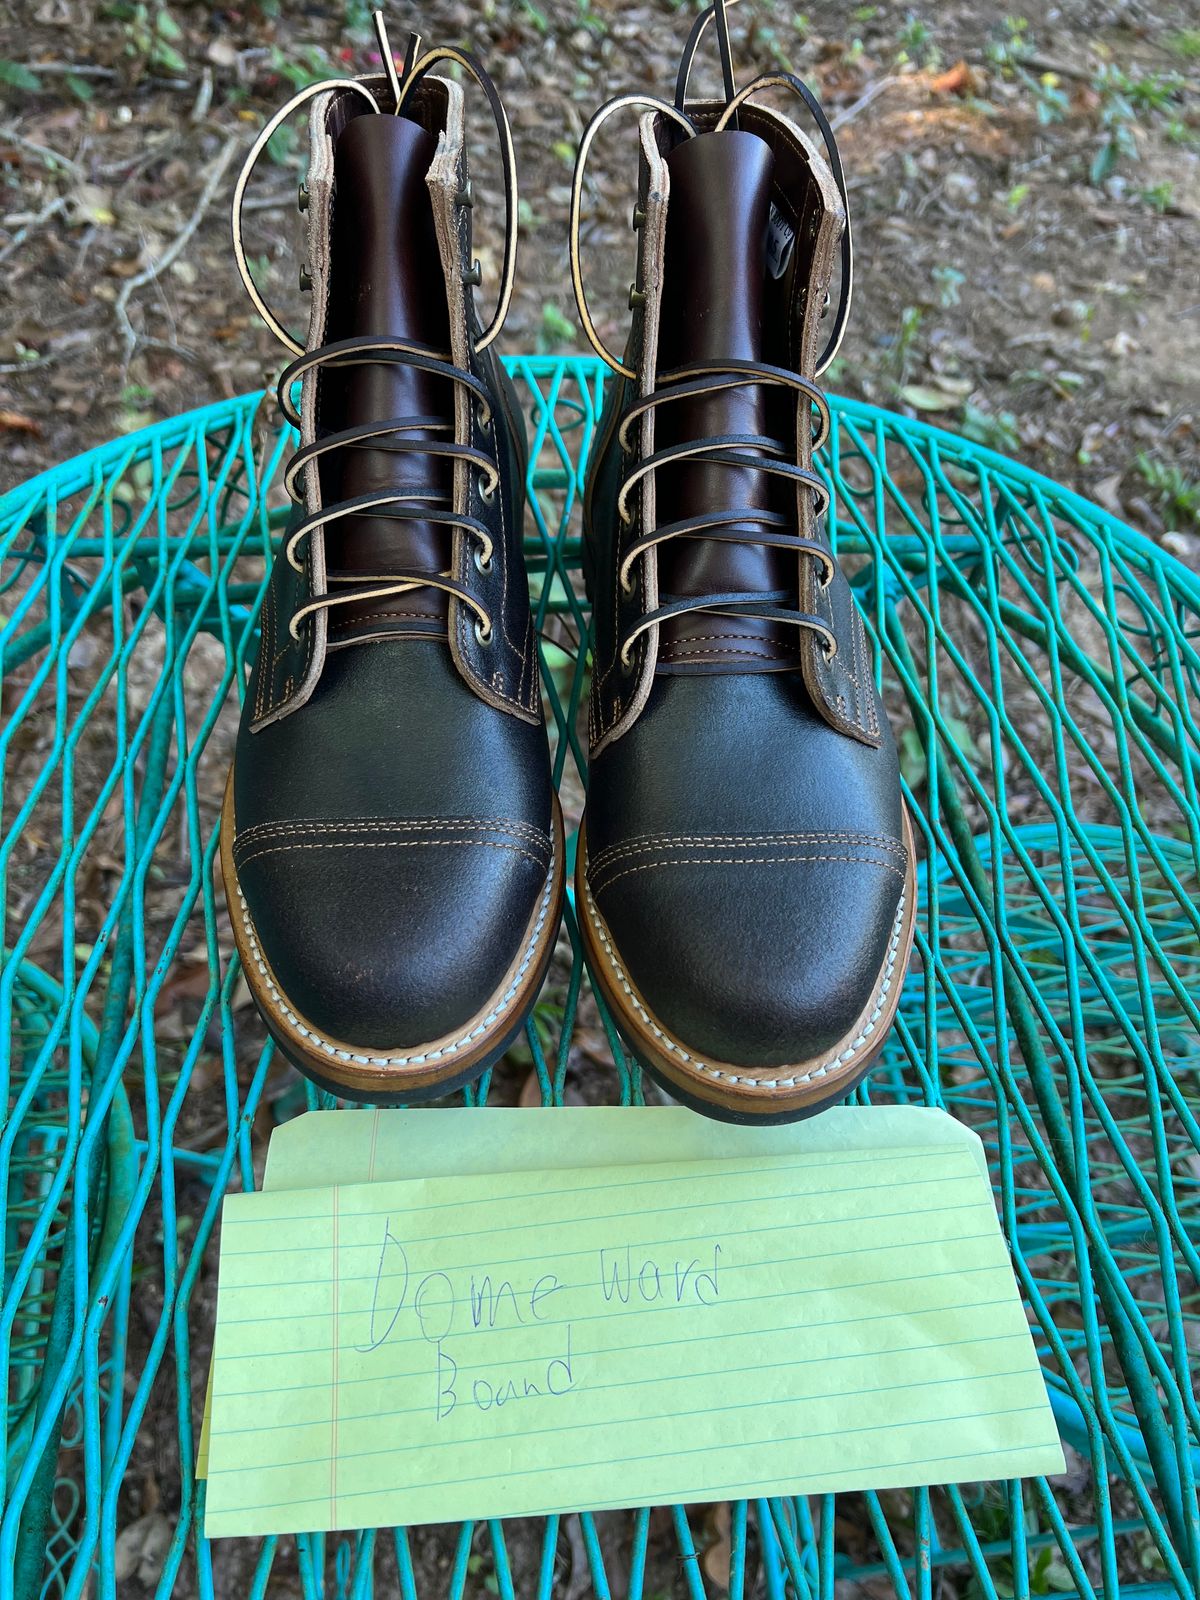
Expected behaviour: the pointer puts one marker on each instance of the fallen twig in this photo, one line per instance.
(31, 147)
(864, 100)
(269, 202)
(1060, 69)
(50, 209)
(204, 94)
(173, 251)
(71, 69)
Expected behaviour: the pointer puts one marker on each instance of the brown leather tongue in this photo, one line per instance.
(385, 279)
(714, 275)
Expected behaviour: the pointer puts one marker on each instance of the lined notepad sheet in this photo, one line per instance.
(526, 1342)
(327, 1148)
(339, 1147)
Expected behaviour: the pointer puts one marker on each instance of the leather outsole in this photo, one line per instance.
(722, 1089)
(412, 1073)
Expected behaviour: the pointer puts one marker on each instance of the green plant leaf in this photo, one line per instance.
(1103, 162)
(166, 27)
(19, 77)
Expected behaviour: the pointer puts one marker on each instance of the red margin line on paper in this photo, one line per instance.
(333, 1445)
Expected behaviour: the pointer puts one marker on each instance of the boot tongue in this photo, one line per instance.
(385, 279)
(714, 277)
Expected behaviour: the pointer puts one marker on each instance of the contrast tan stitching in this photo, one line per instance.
(703, 638)
(266, 633)
(743, 861)
(386, 844)
(304, 828)
(677, 654)
(310, 631)
(279, 656)
(795, 1079)
(384, 616)
(868, 675)
(645, 844)
(278, 1003)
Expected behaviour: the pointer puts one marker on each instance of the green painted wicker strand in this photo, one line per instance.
(1043, 665)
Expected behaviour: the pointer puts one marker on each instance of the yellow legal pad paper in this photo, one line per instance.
(528, 1342)
(341, 1147)
(331, 1147)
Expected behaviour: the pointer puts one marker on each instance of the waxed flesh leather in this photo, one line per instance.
(746, 855)
(393, 832)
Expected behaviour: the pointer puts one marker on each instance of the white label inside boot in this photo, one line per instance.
(781, 236)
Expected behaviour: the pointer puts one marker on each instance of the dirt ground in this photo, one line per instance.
(1026, 197)
(1026, 192)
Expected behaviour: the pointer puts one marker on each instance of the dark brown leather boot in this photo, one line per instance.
(745, 878)
(391, 843)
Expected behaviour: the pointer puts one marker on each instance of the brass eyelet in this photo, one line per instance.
(465, 197)
(487, 489)
(627, 661)
(482, 634)
(637, 297)
(473, 276)
(302, 197)
(305, 280)
(639, 217)
(482, 563)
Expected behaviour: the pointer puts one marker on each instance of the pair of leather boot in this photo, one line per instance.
(392, 846)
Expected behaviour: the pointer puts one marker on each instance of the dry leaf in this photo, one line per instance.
(717, 1555)
(18, 422)
(531, 1091)
(953, 81)
(140, 1548)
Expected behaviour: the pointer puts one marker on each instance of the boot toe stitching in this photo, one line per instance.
(778, 1080)
(336, 1051)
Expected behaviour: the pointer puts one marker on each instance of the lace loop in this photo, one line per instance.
(686, 382)
(398, 504)
(760, 453)
(766, 607)
(677, 112)
(369, 349)
(621, 103)
(360, 436)
(731, 450)
(270, 127)
(403, 583)
(772, 526)
(756, 452)
(789, 81)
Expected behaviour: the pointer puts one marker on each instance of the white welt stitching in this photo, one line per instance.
(846, 1055)
(315, 1039)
